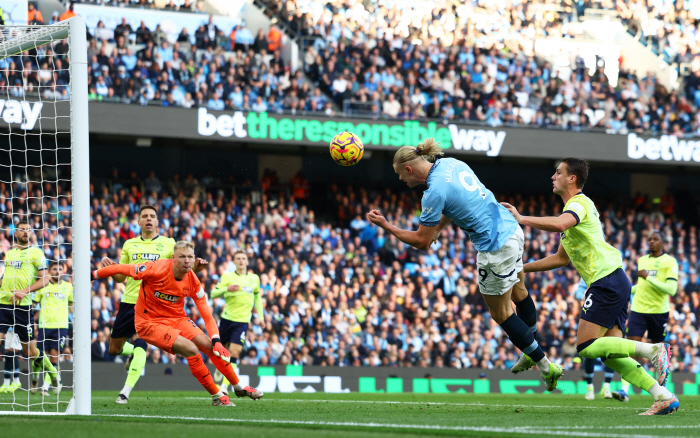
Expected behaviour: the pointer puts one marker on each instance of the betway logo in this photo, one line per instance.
(264, 127)
(666, 147)
(477, 139)
(20, 112)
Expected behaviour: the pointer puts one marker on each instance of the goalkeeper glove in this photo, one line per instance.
(220, 350)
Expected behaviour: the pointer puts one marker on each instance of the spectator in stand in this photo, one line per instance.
(34, 15)
(354, 296)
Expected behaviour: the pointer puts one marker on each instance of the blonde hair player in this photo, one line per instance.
(455, 194)
(160, 317)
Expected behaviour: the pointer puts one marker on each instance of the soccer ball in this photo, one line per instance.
(346, 149)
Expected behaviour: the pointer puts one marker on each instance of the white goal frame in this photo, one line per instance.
(74, 29)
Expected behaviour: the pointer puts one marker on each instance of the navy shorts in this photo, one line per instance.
(653, 323)
(124, 322)
(52, 339)
(607, 300)
(19, 318)
(233, 332)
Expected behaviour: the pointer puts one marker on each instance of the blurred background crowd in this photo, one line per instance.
(337, 291)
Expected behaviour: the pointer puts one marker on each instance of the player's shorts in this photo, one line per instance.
(232, 331)
(163, 332)
(52, 339)
(498, 270)
(607, 300)
(652, 323)
(18, 317)
(124, 322)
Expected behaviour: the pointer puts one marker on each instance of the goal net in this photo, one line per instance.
(44, 220)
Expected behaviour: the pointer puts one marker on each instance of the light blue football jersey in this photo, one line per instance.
(454, 190)
(581, 289)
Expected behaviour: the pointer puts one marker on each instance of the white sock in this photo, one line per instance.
(625, 385)
(217, 395)
(606, 385)
(590, 387)
(659, 392)
(46, 386)
(15, 379)
(543, 365)
(7, 381)
(646, 350)
(238, 387)
(126, 390)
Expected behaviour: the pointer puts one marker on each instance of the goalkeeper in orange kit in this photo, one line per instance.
(160, 317)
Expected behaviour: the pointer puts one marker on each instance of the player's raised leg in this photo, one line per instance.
(206, 346)
(189, 350)
(527, 312)
(500, 276)
(597, 341)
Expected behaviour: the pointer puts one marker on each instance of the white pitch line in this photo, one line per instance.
(396, 426)
(651, 426)
(444, 404)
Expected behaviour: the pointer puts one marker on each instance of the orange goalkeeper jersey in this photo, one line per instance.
(162, 296)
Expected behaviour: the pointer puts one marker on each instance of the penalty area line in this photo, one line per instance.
(488, 429)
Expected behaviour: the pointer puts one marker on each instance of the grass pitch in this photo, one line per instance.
(190, 414)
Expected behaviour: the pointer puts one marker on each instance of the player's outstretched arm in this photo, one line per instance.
(420, 239)
(106, 261)
(110, 271)
(554, 261)
(555, 224)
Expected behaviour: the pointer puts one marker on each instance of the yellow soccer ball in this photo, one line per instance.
(346, 149)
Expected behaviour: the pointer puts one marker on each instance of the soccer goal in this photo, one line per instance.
(45, 220)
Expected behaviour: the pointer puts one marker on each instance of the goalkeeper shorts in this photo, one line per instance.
(163, 332)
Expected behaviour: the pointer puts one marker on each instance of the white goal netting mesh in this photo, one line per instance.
(35, 193)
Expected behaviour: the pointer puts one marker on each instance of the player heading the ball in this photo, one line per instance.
(455, 194)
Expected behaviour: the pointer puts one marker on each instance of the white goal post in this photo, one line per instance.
(14, 40)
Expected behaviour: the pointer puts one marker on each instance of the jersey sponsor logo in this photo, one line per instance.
(562, 235)
(166, 297)
(14, 264)
(57, 295)
(651, 273)
(145, 257)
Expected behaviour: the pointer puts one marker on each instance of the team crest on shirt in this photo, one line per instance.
(167, 297)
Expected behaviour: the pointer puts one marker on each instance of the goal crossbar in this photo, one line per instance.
(38, 36)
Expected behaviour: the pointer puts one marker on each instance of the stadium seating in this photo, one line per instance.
(339, 292)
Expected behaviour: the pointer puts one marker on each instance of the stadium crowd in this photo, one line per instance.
(470, 62)
(336, 290)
